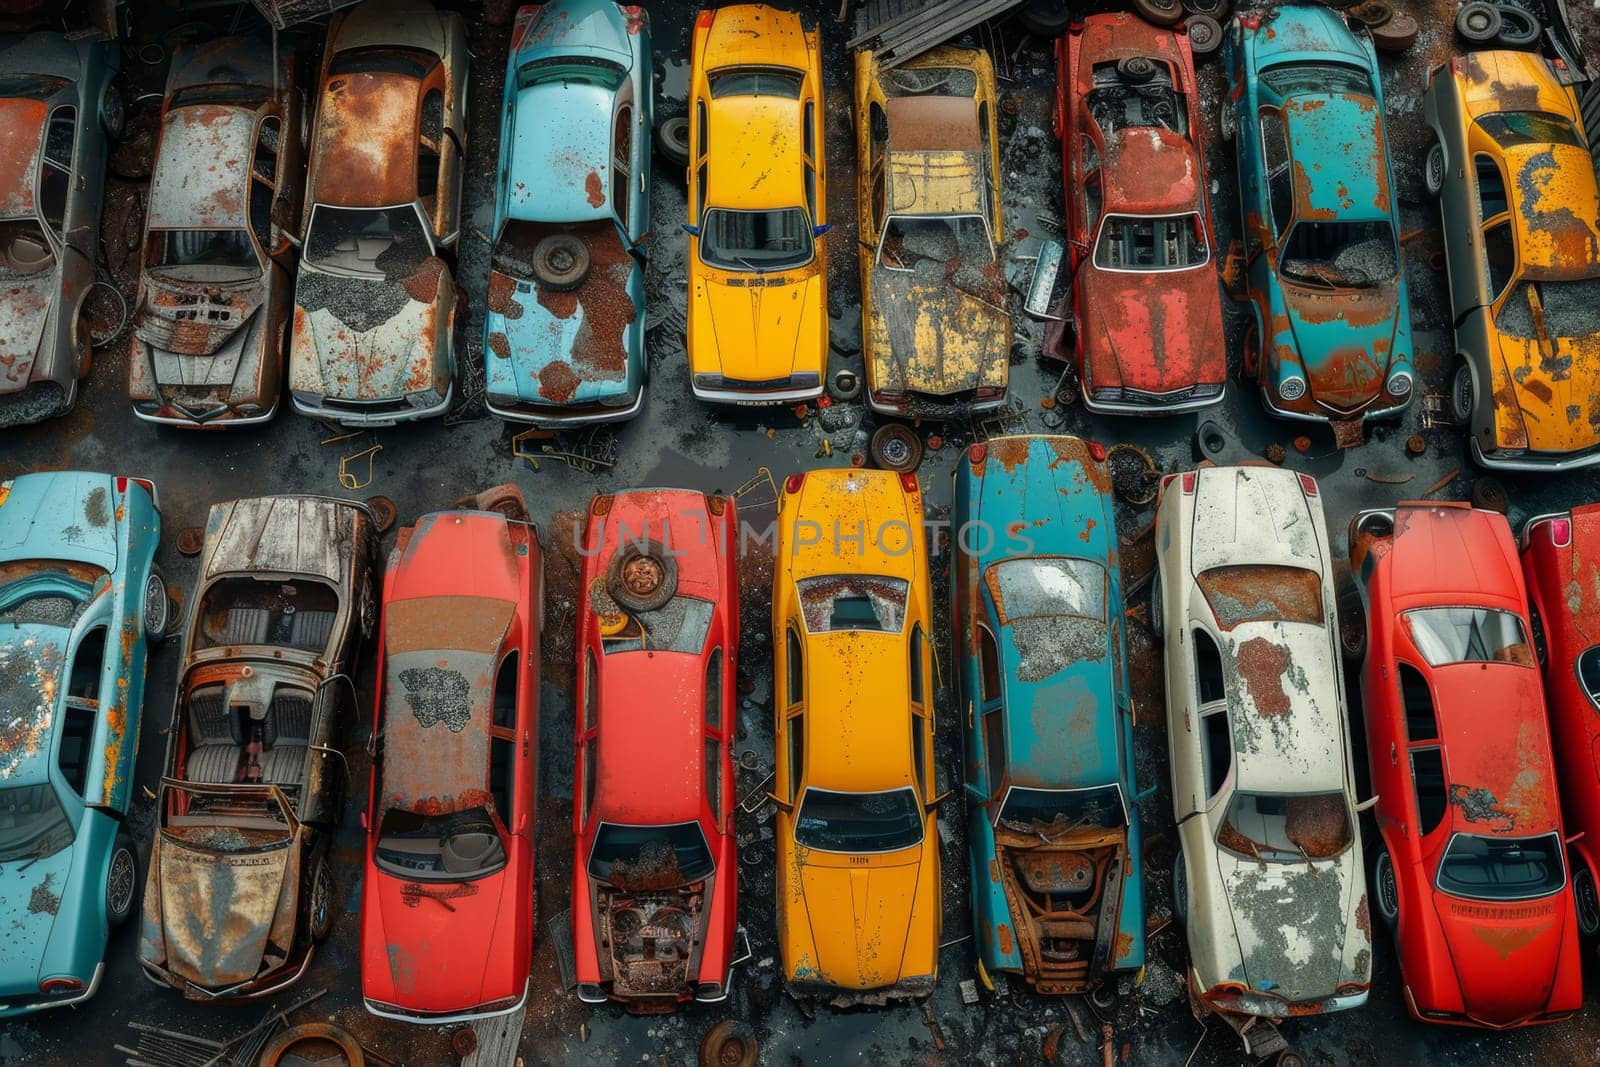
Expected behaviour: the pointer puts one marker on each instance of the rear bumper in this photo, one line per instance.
(27, 1006)
(425, 1018)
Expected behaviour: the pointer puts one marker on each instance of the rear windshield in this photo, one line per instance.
(32, 823)
(1468, 635)
(1259, 592)
(1101, 807)
(1286, 827)
(679, 625)
(1570, 309)
(650, 857)
(1501, 868)
(1511, 129)
(411, 62)
(1320, 79)
(457, 847)
(1137, 242)
(45, 593)
(1048, 586)
(587, 70)
(858, 822)
(755, 81)
(853, 602)
(756, 240)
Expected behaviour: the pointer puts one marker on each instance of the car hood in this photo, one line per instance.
(444, 942)
(1554, 389)
(1290, 921)
(548, 347)
(224, 913)
(938, 334)
(24, 311)
(759, 332)
(1343, 339)
(1505, 955)
(860, 921)
(1158, 332)
(358, 338)
(30, 899)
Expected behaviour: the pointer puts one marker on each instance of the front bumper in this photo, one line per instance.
(27, 1006)
(1268, 1006)
(262, 985)
(215, 420)
(1324, 416)
(934, 408)
(426, 1018)
(576, 415)
(387, 416)
(1155, 408)
(914, 987)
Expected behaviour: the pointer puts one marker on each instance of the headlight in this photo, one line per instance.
(1106, 392)
(1292, 387)
(1400, 384)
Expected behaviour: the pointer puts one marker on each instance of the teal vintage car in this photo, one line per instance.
(1329, 336)
(1052, 820)
(80, 599)
(564, 333)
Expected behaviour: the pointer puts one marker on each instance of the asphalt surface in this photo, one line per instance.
(678, 442)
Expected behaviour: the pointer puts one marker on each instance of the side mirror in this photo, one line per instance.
(1574, 838)
(692, 231)
(818, 231)
(1146, 792)
(783, 805)
(933, 805)
(1367, 805)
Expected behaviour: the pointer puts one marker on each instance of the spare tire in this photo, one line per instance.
(672, 139)
(642, 577)
(1159, 12)
(1205, 35)
(1136, 69)
(560, 262)
(896, 447)
(1397, 34)
(1518, 28)
(1478, 22)
(730, 1043)
(1217, 9)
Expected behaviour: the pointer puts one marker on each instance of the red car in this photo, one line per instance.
(1559, 557)
(655, 882)
(1147, 307)
(1471, 876)
(447, 910)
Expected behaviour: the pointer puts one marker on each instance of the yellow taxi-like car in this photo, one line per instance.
(857, 833)
(758, 318)
(935, 321)
(1510, 165)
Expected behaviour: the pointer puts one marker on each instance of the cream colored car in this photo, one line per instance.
(1268, 880)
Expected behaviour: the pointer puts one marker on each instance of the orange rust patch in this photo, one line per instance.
(557, 382)
(1262, 665)
(499, 345)
(502, 287)
(593, 189)
(1003, 934)
(1503, 942)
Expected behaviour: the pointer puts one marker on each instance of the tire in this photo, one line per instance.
(1205, 36)
(1159, 12)
(1227, 122)
(1137, 69)
(642, 577)
(1180, 890)
(1385, 889)
(845, 385)
(1217, 9)
(896, 447)
(729, 1043)
(1586, 898)
(156, 610)
(113, 115)
(1158, 622)
(1478, 22)
(320, 907)
(560, 262)
(1462, 395)
(1518, 28)
(1396, 35)
(672, 139)
(1433, 170)
(1045, 18)
(1250, 352)
(122, 881)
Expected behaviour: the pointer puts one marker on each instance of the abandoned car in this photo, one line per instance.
(655, 875)
(565, 322)
(935, 329)
(1147, 305)
(1471, 876)
(80, 599)
(58, 108)
(240, 889)
(373, 340)
(1052, 832)
(1521, 225)
(1262, 772)
(217, 286)
(858, 887)
(758, 315)
(447, 906)
(1329, 336)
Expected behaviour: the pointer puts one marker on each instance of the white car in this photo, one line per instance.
(1268, 880)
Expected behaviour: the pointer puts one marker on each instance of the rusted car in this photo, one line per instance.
(1267, 878)
(447, 914)
(212, 314)
(655, 877)
(565, 323)
(240, 889)
(376, 303)
(1511, 168)
(1147, 306)
(58, 107)
(936, 327)
(1056, 862)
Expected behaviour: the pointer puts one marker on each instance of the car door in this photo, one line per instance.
(97, 685)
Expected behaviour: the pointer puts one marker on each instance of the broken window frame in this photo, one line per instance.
(622, 164)
(1275, 194)
(1192, 216)
(503, 738)
(67, 113)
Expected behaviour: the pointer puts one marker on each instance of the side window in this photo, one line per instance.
(261, 213)
(620, 169)
(994, 748)
(811, 192)
(1092, 200)
(796, 728)
(588, 777)
(73, 759)
(505, 694)
(1216, 750)
(795, 691)
(1501, 256)
(1491, 188)
(1275, 164)
(1427, 774)
(591, 697)
(55, 170)
(714, 690)
(878, 143)
(916, 664)
(502, 738)
(919, 754)
(1418, 701)
(700, 195)
(714, 778)
(705, 132)
(430, 134)
(987, 163)
(989, 664)
(83, 686)
(1208, 669)
(808, 129)
(264, 164)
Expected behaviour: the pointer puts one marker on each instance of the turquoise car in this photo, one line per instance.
(1329, 337)
(1052, 821)
(80, 598)
(564, 333)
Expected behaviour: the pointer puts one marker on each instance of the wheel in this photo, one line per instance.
(1158, 622)
(1136, 69)
(1227, 122)
(113, 116)
(319, 910)
(560, 262)
(1385, 891)
(1205, 34)
(1478, 22)
(1461, 395)
(1159, 12)
(1045, 18)
(1518, 28)
(1217, 9)
(157, 608)
(730, 1043)
(1586, 898)
(1433, 169)
(1397, 34)
(642, 577)
(1180, 889)
(896, 447)
(1291, 1057)
(122, 881)
(845, 385)
(672, 139)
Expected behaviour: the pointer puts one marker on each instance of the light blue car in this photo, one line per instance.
(564, 337)
(80, 597)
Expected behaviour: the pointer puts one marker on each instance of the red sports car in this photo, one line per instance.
(447, 910)
(1560, 554)
(1471, 876)
(655, 881)
(1147, 307)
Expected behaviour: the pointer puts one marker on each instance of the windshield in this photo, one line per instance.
(584, 70)
(1048, 586)
(1340, 255)
(24, 249)
(636, 858)
(228, 249)
(853, 602)
(929, 81)
(32, 823)
(679, 625)
(457, 847)
(364, 240)
(45, 592)
(1100, 807)
(858, 822)
(1570, 309)
(936, 244)
(1511, 129)
(1139, 242)
(755, 240)
(1321, 79)
(1285, 828)
(755, 81)
(246, 611)
(1468, 635)
(1258, 592)
(1501, 868)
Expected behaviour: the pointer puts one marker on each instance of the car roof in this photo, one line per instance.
(756, 159)
(1340, 161)
(299, 535)
(1284, 714)
(858, 710)
(21, 142)
(650, 756)
(935, 160)
(1150, 171)
(1229, 506)
(1445, 555)
(366, 141)
(560, 167)
(1498, 761)
(201, 179)
(455, 553)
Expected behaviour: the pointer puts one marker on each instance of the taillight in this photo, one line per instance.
(908, 482)
(988, 392)
(1190, 478)
(149, 486)
(1098, 451)
(601, 505)
(793, 483)
(703, 20)
(1166, 480)
(976, 454)
(54, 987)
(1252, 21)
(1561, 532)
(1308, 483)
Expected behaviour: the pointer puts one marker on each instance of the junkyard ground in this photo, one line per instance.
(681, 443)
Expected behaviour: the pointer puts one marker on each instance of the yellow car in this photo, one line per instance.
(936, 326)
(857, 833)
(758, 317)
(1510, 166)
